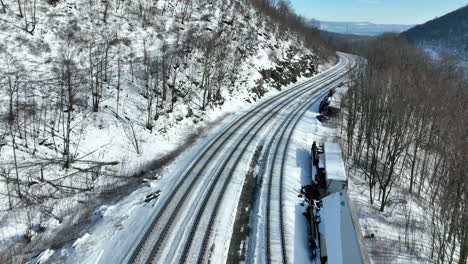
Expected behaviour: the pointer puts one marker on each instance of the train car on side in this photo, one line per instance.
(335, 173)
(334, 232)
(337, 234)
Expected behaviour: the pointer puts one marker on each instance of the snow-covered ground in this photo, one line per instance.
(118, 132)
(117, 227)
(384, 234)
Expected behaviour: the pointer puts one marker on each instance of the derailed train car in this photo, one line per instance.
(328, 164)
(334, 234)
(335, 231)
(335, 173)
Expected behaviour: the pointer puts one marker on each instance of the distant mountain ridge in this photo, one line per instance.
(362, 28)
(448, 33)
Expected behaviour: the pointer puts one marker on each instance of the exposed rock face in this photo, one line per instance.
(287, 72)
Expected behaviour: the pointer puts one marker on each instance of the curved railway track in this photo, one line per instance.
(217, 196)
(275, 237)
(217, 167)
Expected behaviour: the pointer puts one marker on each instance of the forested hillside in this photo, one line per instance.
(94, 92)
(448, 33)
(405, 129)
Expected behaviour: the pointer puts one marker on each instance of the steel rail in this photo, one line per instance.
(215, 144)
(219, 198)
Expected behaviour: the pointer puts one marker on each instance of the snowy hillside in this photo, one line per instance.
(95, 92)
(446, 34)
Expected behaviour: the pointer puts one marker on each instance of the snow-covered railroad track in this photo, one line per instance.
(275, 232)
(155, 241)
(210, 211)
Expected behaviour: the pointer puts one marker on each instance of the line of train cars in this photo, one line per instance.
(332, 230)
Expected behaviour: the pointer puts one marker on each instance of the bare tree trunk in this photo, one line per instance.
(3, 6)
(20, 8)
(6, 172)
(413, 165)
(186, 11)
(30, 23)
(13, 138)
(106, 7)
(12, 90)
(423, 172)
(70, 105)
(119, 66)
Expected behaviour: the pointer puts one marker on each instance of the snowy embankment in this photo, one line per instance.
(107, 90)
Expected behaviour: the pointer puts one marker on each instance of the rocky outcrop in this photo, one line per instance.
(287, 72)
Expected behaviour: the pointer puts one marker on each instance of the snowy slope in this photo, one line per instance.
(145, 80)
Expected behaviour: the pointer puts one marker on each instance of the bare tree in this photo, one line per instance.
(20, 8)
(151, 86)
(3, 6)
(106, 8)
(98, 70)
(117, 87)
(5, 173)
(133, 137)
(13, 145)
(68, 90)
(30, 19)
(186, 12)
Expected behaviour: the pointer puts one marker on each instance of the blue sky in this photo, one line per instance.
(376, 11)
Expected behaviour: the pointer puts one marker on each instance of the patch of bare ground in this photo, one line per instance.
(238, 246)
